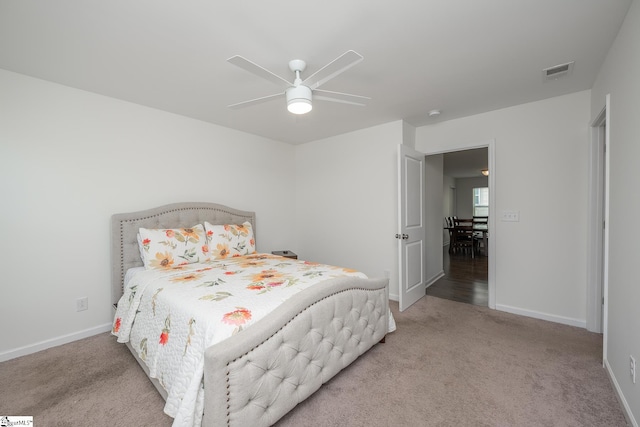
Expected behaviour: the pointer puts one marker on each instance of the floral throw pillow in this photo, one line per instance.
(169, 248)
(230, 240)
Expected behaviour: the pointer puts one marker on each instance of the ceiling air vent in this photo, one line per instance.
(557, 71)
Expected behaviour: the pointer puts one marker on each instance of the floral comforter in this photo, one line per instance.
(171, 316)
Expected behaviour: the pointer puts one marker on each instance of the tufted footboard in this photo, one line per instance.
(257, 376)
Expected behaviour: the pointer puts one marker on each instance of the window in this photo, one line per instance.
(481, 201)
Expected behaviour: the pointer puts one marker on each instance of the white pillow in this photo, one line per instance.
(230, 240)
(172, 247)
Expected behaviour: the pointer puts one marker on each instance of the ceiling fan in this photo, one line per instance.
(300, 93)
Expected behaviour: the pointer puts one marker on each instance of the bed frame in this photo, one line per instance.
(257, 376)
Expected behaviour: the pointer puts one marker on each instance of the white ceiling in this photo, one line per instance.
(466, 163)
(463, 57)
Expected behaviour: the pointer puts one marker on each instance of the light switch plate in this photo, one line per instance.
(511, 216)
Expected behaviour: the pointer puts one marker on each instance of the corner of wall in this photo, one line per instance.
(408, 134)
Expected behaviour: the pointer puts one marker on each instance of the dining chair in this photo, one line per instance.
(462, 236)
(448, 225)
(481, 234)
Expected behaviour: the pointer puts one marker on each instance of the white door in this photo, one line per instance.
(411, 235)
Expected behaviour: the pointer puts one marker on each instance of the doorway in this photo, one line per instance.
(597, 224)
(489, 260)
(465, 272)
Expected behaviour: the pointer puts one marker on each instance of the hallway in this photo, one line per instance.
(465, 279)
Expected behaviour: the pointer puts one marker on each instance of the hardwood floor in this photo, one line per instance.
(465, 279)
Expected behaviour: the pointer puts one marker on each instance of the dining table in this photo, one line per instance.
(477, 227)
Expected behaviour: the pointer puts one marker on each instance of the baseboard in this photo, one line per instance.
(396, 297)
(580, 323)
(435, 278)
(54, 342)
(623, 402)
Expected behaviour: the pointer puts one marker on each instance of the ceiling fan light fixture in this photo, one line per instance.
(299, 99)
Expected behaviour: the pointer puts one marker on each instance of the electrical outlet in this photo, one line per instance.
(632, 368)
(82, 304)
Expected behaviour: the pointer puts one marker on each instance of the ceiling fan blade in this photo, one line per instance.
(332, 69)
(254, 101)
(344, 98)
(256, 69)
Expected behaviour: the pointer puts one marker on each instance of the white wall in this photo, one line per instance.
(464, 194)
(619, 78)
(70, 159)
(347, 199)
(541, 153)
(434, 201)
(448, 204)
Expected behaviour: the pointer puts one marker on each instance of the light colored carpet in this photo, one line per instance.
(448, 364)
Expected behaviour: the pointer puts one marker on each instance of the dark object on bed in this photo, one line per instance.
(286, 254)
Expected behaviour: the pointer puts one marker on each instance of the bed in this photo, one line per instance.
(262, 371)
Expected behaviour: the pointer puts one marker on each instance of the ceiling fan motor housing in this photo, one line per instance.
(297, 65)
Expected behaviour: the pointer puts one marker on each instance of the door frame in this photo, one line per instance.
(490, 145)
(597, 218)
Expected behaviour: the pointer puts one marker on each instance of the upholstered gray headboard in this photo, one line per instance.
(124, 229)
